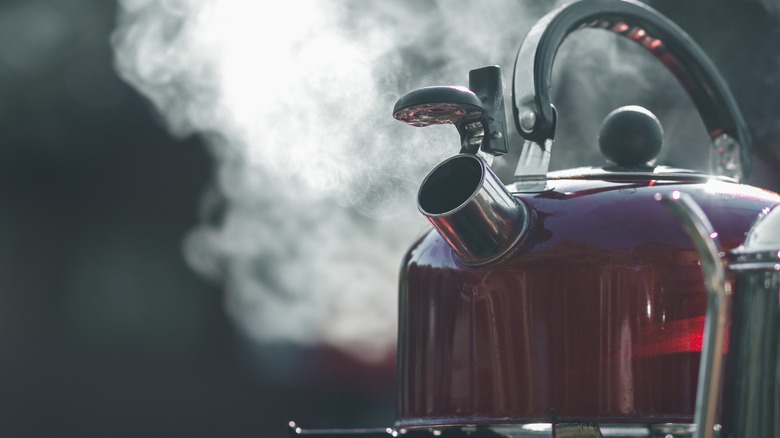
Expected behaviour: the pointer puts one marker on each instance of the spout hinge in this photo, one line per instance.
(487, 83)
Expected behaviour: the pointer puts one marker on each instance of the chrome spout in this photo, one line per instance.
(472, 210)
(704, 239)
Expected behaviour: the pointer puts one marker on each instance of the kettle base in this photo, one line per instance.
(530, 430)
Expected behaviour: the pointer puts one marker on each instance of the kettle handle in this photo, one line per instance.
(535, 116)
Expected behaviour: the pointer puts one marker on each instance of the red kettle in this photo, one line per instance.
(567, 297)
(567, 303)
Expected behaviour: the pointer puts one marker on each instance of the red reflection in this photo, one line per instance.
(428, 114)
(682, 336)
(655, 44)
(637, 34)
(620, 28)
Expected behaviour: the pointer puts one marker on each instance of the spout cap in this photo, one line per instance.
(438, 105)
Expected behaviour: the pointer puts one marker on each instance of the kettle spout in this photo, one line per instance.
(472, 210)
(718, 295)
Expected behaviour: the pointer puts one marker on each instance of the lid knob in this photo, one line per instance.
(631, 136)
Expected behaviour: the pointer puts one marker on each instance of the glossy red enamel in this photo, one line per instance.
(596, 317)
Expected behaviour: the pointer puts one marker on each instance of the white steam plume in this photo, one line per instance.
(294, 98)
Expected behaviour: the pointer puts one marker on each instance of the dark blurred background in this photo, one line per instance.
(104, 330)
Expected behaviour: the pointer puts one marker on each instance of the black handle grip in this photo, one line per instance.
(533, 112)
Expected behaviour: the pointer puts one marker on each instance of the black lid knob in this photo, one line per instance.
(631, 136)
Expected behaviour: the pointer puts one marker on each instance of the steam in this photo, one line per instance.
(313, 204)
(294, 98)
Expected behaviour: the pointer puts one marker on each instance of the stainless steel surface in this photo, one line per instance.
(569, 430)
(531, 171)
(527, 119)
(472, 210)
(764, 235)
(726, 157)
(752, 408)
(577, 430)
(659, 173)
(672, 430)
(718, 295)
(472, 137)
(530, 430)
(760, 260)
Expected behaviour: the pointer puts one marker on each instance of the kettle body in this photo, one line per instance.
(572, 296)
(596, 317)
